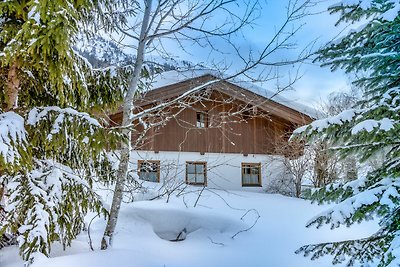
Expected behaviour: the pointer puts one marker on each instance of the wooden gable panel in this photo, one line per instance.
(253, 133)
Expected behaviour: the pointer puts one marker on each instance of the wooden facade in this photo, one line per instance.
(238, 121)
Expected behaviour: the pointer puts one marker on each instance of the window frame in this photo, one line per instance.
(205, 172)
(205, 116)
(251, 165)
(140, 162)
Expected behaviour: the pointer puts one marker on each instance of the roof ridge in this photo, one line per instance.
(166, 78)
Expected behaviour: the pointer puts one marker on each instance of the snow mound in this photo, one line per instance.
(272, 241)
(175, 224)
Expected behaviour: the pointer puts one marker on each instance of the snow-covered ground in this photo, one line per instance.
(279, 231)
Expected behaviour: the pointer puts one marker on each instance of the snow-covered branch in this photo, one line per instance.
(12, 136)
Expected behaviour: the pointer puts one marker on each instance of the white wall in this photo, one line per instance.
(223, 169)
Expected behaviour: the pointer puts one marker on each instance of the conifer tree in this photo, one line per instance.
(51, 148)
(372, 126)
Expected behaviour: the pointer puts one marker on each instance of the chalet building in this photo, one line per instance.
(211, 132)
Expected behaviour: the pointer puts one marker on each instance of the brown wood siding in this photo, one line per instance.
(253, 133)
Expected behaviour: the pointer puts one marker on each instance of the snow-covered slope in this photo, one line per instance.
(175, 76)
(218, 216)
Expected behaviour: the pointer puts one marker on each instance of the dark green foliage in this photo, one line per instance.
(371, 127)
(54, 148)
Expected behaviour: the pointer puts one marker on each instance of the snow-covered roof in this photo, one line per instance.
(174, 76)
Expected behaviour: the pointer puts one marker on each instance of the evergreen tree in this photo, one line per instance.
(51, 149)
(372, 126)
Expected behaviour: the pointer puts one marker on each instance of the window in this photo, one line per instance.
(196, 173)
(201, 120)
(149, 170)
(251, 174)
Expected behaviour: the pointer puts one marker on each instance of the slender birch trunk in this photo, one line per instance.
(126, 121)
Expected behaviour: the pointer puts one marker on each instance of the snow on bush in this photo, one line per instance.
(322, 124)
(385, 192)
(384, 124)
(45, 187)
(12, 135)
(50, 191)
(36, 115)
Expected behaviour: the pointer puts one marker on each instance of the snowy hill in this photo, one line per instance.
(103, 53)
(218, 216)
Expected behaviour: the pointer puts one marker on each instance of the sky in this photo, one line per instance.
(316, 83)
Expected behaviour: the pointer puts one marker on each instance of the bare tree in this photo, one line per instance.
(191, 21)
(297, 163)
(340, 101)
(317, 162)
(328, 167)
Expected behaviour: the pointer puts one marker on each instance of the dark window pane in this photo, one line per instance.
(196, 173)
(255, 170)
(201, 120)
(191, 168)
(200, 178)
(200, 168)
(246, 179)
(148, 171)
(251, 174)
(191, 178)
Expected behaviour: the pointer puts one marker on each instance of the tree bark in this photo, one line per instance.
(11, 101)
(126, 121)
(320, 165)
(117, 198)
(12, 89)
(351, 168)
(1, 197)
(298, 186)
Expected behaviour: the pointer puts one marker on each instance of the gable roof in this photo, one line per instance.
(173, 77)
(173, 84)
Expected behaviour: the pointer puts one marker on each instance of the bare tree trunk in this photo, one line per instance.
(351, 168)
(1, 198)
(320, 165)
(126, 121)
(298, 186)
(11, 100)
(12, 88)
